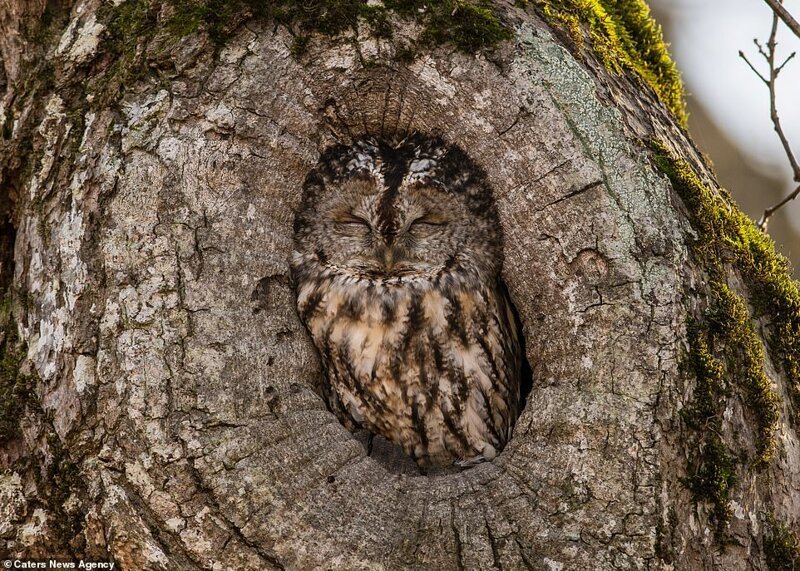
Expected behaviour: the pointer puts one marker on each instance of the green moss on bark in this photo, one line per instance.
(15, 387)
(711, 474)
(727, 237)
(129, 28)
(217, 17)
(469, 25)
(730, 323)
(57, 477)
(725, 335)
(624, 36)
(781, 546)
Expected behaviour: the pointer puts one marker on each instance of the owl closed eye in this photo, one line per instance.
(352, 225)
(397, 260)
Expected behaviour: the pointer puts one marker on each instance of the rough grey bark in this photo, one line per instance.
(172, 372)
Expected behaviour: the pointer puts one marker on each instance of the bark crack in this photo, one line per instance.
(571, 194)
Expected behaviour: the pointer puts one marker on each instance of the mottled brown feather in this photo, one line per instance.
(397, 261)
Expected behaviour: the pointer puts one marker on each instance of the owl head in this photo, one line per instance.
(382, 210)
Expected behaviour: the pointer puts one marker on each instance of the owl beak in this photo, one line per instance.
(388, 259)
(388, 256)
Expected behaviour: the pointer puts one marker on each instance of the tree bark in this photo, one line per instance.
(168, 417)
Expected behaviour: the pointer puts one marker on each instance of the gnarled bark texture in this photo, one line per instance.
(172, 420)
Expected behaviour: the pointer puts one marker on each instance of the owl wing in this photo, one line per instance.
(500, 346)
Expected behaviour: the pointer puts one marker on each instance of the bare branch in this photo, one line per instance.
(776, 122)
(784, 15)
(773, 109)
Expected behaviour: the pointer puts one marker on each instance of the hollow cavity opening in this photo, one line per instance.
(397, 267)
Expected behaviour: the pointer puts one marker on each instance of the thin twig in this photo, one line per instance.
(769, 55)
(787, 60)
(751, 66)
(772, 209)
(779, 10)
(761, 49)
(773, 108)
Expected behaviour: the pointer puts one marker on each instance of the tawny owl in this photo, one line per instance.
(398, 252)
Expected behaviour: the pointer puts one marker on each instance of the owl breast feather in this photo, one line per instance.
(429, 363)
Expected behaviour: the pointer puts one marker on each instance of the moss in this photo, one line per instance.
(127, 23)
(217, 17)
(129, 27)
(781, 546)
(5, 313)
(57, 476)
(725, 349)
(624, 36)
(666, 541)
(470, 26)
(58, 479)
(711, 478)
(711, 474)
(730, 323)
(300, 45)
(709, 373)
(727, 236)
(15, 387)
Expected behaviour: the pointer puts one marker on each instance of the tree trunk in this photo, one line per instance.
(159, 391)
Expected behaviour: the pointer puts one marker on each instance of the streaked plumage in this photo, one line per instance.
(397, 260)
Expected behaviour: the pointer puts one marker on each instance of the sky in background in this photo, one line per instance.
(706, 36)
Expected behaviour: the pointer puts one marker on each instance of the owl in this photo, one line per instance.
(396, 268)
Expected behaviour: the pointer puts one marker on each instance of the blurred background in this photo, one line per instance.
(729, 106)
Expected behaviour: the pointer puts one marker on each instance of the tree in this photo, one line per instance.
(158, 390)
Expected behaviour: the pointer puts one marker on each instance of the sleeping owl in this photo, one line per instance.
(396, 268)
